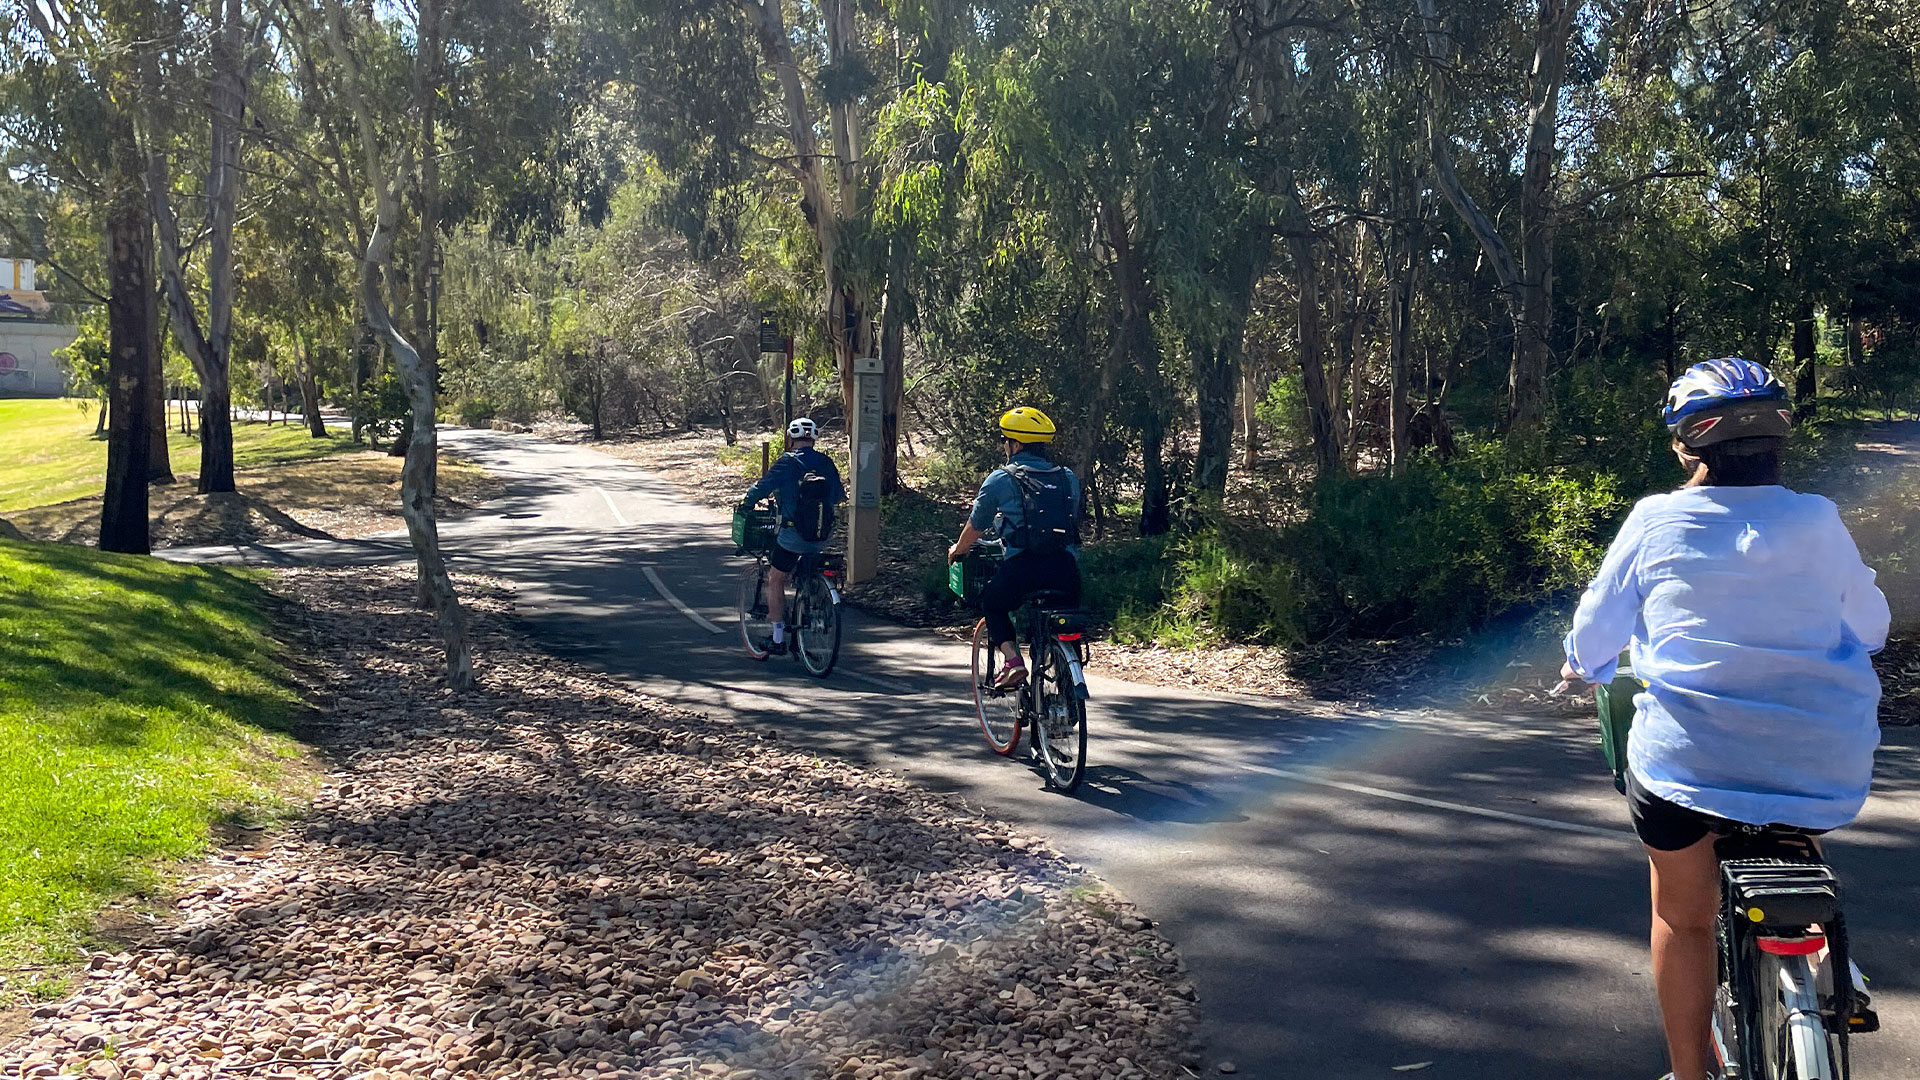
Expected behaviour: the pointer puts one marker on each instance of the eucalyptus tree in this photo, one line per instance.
(70, 94)
(1528, 280)
(736, 100)
(210, 44)
(355, 40)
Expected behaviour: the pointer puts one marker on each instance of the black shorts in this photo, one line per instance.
(782, 559)
(1668, 826)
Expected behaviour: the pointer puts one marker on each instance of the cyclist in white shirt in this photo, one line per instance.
(1751, 618)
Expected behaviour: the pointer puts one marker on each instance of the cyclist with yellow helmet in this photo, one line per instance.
(1032, 506)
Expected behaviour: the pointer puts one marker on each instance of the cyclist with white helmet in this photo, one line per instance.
(1033, 506)
(1750, 618)
(787, 481)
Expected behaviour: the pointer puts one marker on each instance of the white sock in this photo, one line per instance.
(779, 632)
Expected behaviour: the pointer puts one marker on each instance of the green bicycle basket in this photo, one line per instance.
(753, 531)
(967, 577)
(1615, 702)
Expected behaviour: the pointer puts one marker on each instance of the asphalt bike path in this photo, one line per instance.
(1354, 892)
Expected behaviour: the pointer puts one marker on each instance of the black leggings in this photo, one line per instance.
(1020, 576)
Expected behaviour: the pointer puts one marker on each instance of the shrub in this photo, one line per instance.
(478, 412)
(1447, 546)
(1124, 583)
(1229, 588)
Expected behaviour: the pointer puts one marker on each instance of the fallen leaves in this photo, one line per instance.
(558, 876)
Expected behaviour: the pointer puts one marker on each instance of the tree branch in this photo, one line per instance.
(1610, 189)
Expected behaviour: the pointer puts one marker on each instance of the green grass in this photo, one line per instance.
(48, 453)
(141, 702)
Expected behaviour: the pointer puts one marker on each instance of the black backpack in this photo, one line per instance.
(813, 510)
(1049, 522)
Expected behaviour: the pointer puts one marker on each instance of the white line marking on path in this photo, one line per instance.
(1420, 800)
(667, 595)
(622, 518)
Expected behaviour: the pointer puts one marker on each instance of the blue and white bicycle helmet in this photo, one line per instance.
(1729, 398)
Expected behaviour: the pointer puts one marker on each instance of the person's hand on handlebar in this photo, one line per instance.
(1568, 677)
(969, 536)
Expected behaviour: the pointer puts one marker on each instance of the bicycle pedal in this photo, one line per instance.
(1862, 1021)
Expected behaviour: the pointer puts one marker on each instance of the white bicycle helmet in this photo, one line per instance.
(802, 428)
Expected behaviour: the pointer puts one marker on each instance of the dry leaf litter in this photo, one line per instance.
(558, 876)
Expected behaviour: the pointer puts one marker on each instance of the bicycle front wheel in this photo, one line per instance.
(817, 626)
(755, 630)
(997, 710)
(1060, 720)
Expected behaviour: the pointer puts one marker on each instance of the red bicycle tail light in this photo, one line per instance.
(1067, 637)
(1805, 946)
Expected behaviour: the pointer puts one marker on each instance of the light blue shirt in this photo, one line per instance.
(1751, 619)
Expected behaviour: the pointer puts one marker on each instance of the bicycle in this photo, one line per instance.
(813, 611)
(1779, 1013)
(1052, 702)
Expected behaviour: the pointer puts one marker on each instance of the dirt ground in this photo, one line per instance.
(343, 496)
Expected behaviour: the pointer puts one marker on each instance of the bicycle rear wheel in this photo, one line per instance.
(1060, 720)
(997, 710)
(817, 625)
(755, 629)
(1796, 1043)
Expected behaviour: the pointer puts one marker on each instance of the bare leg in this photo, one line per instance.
(1686, 895)
(776, 595)
(1010, 651)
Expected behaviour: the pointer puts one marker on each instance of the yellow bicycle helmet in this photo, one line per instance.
(1027, 424)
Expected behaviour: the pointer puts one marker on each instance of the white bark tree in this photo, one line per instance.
(386, 169)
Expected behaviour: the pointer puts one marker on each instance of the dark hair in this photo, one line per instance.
(1743, 462)
(1039, 448)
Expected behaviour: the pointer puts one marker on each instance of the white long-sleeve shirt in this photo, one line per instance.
(1751, 619)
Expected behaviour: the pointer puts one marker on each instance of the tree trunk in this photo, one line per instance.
(417, 480)
(1136, 343)
(1313, 338)
(893, 349)
(1527, 389)
(159, 464)
(1529, 287)
(123, 514)
(1217, 364)
(309, 390)
(846, 301)
(426, 255)
(1249, 417)
(1805, 378)
(1404, 273)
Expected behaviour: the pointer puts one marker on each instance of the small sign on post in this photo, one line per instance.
(863, 525)
(771, 340)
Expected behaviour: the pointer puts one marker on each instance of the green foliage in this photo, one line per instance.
(1230, 587)
(1125, 582)
(1447, 546)
(140, 702)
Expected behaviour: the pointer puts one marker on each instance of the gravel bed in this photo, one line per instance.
(558, 876)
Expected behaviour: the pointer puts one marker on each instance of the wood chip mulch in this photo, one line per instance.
(557, 876)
